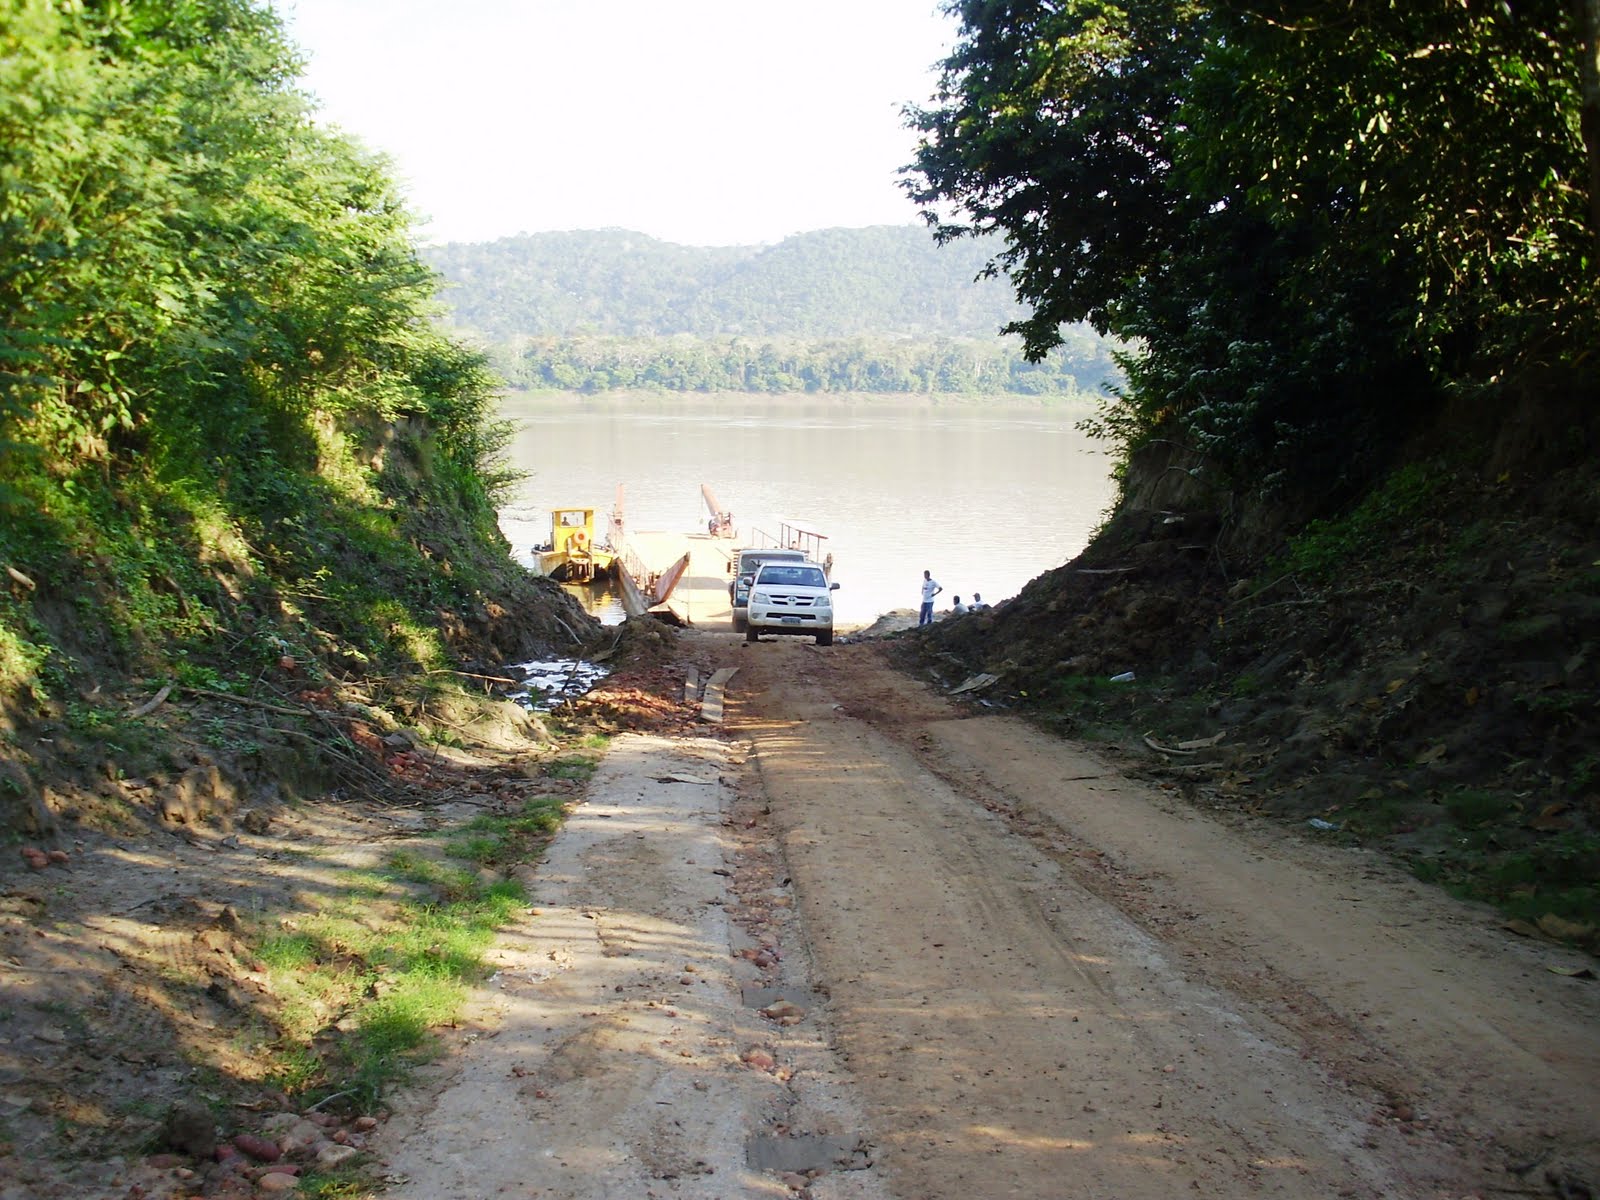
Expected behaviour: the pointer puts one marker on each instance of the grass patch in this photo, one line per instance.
(345, 1183)
(577, 767)
(1089, 698)
(1096, 708)
(294, 1069)
(21, 657)
(1377, 815)
(496, 841)
(1471, 808)
(448, 882)
(1489, 854)
(1322, 550)
(1246, 684)
(363, 982)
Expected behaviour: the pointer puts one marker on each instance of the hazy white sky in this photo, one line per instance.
(704, 122)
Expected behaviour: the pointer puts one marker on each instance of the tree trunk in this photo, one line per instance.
(1588, 13)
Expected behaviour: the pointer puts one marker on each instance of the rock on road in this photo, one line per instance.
(883, 945)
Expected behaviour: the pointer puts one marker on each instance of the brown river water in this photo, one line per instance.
(985, 494)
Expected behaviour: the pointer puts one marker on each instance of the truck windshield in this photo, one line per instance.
(783, 576)
(749, 563)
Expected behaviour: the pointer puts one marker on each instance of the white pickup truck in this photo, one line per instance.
(744, 566)
(791, 597)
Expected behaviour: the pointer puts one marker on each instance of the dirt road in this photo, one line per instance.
(865, 942)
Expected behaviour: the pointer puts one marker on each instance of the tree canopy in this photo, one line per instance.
(1081, 368)
(172, 225)
(1311, 220)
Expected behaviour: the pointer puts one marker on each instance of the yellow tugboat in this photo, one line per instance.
(571, 555)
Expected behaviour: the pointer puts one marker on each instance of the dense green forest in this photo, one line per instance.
(883, 309)
(230, 432)
(248, 529)
(941, 366)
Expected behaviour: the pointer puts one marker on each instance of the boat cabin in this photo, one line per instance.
(571, 529)
(571, 553)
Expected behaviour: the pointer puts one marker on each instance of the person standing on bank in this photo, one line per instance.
(930, 589)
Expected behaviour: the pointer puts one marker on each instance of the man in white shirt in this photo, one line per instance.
(930, 589)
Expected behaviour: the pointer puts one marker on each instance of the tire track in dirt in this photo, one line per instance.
(1458, 1030)
(1010, 1025)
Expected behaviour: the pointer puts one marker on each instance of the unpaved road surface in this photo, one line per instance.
(864, 941)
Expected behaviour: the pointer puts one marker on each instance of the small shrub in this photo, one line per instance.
(1471, 808)
(1323, 548)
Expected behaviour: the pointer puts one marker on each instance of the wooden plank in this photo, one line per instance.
(711, 706)
(691, 686)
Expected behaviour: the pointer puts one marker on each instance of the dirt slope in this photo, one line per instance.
(884, 947)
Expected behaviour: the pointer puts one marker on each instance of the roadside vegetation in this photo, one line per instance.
(1414, 675)
(389, 958)
(1352, 254)
(237, 455)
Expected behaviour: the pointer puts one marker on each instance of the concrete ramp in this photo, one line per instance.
(711, 704)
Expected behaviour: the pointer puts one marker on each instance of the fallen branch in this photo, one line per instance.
(1264, 589)
(155, 702)
(1293, 604)
(1188, 768)
(330, 1099)
(471, 675)
(609, 650)
(1160, 749)
(304, 711)
(1193, 746)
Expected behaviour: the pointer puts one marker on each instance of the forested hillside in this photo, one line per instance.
(883, 309)
(884, 281)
